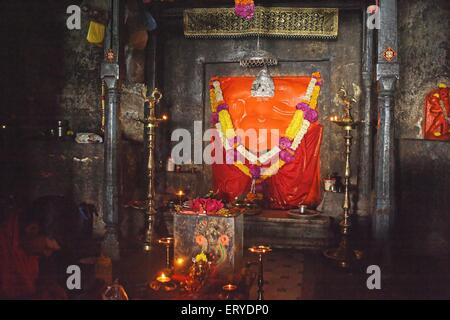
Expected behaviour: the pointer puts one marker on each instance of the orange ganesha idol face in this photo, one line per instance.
(255, 113)
(253, 119)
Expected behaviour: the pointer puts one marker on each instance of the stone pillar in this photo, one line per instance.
(387, 76)
(110, 76)
(366, 129)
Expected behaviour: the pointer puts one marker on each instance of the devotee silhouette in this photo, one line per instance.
(27, 236)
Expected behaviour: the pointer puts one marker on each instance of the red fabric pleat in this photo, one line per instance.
(296, 182)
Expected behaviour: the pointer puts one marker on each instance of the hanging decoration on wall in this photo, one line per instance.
(389, 54)
(263, 86)
(244, 8)
(98, 20)
(254, 167)
(96, 33)
(110, 56)
(321, 23)
(436, 124)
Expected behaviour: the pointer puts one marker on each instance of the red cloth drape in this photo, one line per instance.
(299, 181)
(296, 182)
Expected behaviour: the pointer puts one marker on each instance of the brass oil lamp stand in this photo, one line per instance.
(151, 123)
(344, 255)
(260, 251)
(167, 242)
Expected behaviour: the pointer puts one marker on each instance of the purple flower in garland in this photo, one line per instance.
(287, 155)
(214, 118)
(309, 114)
(284, 143)
(245, 9)
(231, 156)
(255, 171)
(302, 106)
(221, 107)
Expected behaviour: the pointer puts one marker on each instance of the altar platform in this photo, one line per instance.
(278, 229)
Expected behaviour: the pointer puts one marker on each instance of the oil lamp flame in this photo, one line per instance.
(180, 261)
(334, 118)
(166, 241)
(260, 249)
(229, 287)
(163, 278)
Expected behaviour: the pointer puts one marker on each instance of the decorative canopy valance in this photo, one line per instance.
(272, 22)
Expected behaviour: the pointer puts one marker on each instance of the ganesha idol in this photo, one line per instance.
(271, 144)
(437, 112)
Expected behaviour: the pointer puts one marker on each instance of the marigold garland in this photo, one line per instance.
(295, 125)
(212, 96)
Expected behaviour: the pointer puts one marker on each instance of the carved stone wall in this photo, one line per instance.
(423, 182)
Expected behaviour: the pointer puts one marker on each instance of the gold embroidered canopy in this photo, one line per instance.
(271, 21)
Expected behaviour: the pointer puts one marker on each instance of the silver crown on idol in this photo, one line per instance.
(263, 86)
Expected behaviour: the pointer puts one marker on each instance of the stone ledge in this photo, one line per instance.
(277, 229)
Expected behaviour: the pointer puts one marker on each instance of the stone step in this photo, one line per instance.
(278, 229)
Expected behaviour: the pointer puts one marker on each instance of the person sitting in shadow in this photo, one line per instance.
(30, 237)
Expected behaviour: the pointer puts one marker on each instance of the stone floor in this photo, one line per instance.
(283, 276)
(296, 275)
(415, 264)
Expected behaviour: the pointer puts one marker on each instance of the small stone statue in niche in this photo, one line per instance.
(437, 112)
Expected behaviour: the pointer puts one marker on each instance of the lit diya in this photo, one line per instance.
(163, 278)
(179, 262)
(180, 195)
(229, 287)
(260, 249)
(334, 119)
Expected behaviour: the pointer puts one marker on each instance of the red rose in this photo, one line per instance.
(198, 205)
(213, 205)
